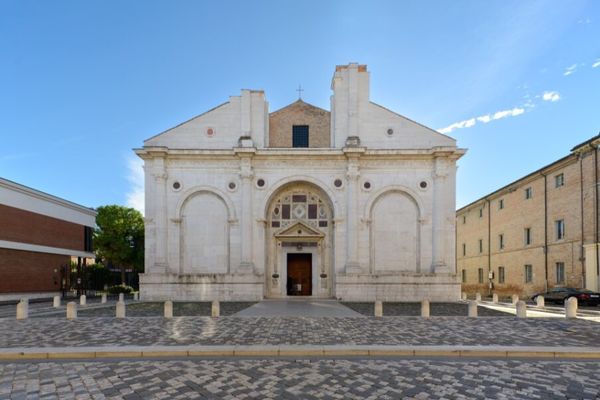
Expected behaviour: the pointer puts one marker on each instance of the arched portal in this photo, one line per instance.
(299, 237)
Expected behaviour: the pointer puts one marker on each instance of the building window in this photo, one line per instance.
(528, 273)
(560, 272)
(481, 213)
(559, 180)
(464, 249)
(480, 246)
(527, 236)
(559, 228)
(528, 193)
(501, 241)
(464, 219)
(464, 276)
(501, 204)
(300, 136)
(480, 275)
(500, 274)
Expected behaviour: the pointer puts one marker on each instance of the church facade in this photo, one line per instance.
(356, 203)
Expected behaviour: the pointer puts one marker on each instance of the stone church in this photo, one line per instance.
(355, 203)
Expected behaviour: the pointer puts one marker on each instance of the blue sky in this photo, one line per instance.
(84, 82)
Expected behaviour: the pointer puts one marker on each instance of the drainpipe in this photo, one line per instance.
(581, 251)
(489, 243)
(596, 208)
(546, 231)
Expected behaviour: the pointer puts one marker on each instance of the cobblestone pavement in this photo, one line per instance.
(414, 309)
(302, 379)
(503, 331)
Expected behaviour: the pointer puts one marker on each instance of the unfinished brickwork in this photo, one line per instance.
(282, 121)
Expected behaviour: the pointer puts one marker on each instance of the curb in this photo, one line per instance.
(372, 351)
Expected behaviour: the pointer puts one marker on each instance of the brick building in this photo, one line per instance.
(39, 234)
(537, 232)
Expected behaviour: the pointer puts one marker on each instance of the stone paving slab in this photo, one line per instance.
(485, 331)
(302, 379)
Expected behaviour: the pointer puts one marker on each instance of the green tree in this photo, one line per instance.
(119, 237)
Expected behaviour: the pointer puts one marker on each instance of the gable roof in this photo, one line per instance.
(296, 103)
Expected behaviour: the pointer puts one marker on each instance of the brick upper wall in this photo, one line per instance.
(18, 225)
(300, 113)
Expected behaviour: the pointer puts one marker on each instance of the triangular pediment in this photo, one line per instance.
(299, 230)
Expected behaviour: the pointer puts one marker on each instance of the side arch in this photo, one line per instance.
(199, 189)
(395, 188)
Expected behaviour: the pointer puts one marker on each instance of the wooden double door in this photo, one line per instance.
(299, 274)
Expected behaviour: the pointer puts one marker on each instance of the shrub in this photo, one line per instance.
(120, 289)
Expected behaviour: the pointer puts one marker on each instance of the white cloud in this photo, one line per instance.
(483, 118)
(570, 70)
(596, 63)
(551, 96)
(135, 176)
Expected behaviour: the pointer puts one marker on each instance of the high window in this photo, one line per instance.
(464, 276)
(560, 272)
(480, 275)
(464, 249)
(559, 180)
(501, 241)
(300, 136)
(480, 246)
(528, 273)
(527, 236)
(501, 204)
(528, 193)
(464, 219)
(559, 229)
(501, 276)
(481, 213)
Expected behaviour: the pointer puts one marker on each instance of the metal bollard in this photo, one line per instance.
(571, 307)
(22, 310)
(215, 309)
(168, 309)
(473, 309)
(521, 309)
(378, 308)
(425, 308)
(540, 301)
(71, 310)
(120, 310)
(56, 302)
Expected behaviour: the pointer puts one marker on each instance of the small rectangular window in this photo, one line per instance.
(528, 193)
(501, 204)
(527, 236)
(560, 272)
(480, 246)
(300, 136)
(559, 180)
(464, 249)
(464, 219)
(559, 228)
(481, 213)
(528, 273)
(464, 276)
(501, 274)
(501, 241)
(480, 275)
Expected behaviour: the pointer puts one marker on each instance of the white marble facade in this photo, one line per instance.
(373, 213)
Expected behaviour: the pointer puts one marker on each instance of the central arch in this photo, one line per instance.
(299, 237)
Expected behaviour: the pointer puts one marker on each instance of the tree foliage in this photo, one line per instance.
(119, 237)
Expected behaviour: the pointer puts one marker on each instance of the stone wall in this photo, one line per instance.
(299, 113)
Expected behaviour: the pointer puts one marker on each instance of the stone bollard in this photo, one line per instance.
(478, 297)
(82, 300)
(571, 307)
(120, 310)
(71, 310)
(215, 309)
(473, 309)
(22, 310)
(515, 298)
(378, 309)
(495, 298)
(463, 296)
(521, 309)
(168, 309)
(136, 296)
(121, 297)
(103, 299)
(56, 302)
(425, 308)
(539, 300)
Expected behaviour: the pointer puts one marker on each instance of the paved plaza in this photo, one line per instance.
(302, 379)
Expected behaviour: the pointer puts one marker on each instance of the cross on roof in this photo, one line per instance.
(299, 90)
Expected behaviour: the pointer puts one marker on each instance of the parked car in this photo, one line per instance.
(559, 295)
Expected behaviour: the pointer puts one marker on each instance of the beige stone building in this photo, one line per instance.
(535, 233)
